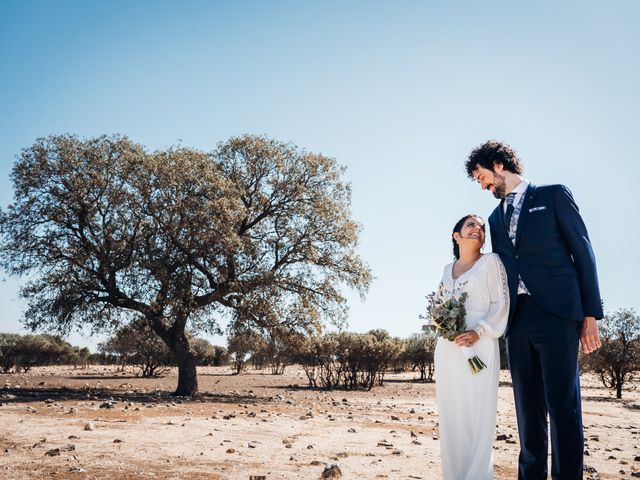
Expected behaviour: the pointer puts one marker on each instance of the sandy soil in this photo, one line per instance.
(95, 423)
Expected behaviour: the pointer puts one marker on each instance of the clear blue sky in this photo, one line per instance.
(399, 92)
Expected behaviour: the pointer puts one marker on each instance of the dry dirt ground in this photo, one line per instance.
(100, 423)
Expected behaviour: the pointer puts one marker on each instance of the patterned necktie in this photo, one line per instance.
(510, 208)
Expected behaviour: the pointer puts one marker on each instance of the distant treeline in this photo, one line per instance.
(360, 360)
(22, 352)
(336, 360)
(19, 353)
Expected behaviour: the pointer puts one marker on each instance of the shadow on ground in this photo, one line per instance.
(22, 395)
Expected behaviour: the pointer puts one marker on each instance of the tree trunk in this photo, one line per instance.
(178, 343)
(619, 381)
(187, 376)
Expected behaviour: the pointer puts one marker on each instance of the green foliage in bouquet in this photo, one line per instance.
(446, 316)
(447, 313)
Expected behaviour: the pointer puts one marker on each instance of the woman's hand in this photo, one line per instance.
(467, 338)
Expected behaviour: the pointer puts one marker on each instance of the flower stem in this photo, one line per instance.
(476, 365)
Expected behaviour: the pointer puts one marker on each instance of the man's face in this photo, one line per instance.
(492, 180)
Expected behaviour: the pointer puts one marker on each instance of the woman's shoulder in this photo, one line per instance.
(492, 259)
(447, 269)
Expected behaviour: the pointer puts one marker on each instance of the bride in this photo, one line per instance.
(467, 402)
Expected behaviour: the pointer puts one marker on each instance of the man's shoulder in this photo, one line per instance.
(494, 213)
(549, 186)
(550, 189)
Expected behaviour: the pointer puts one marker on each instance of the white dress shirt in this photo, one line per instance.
(519, 191)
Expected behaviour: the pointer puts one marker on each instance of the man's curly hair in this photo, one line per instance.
(491, 152)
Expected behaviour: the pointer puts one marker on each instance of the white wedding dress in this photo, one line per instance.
(467, 403)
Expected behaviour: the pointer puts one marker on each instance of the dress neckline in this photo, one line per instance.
(464, 273)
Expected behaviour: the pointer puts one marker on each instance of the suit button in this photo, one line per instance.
(516, 257)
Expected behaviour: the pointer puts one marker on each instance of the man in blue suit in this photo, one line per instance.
(555, 300)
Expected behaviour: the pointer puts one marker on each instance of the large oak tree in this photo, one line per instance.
(103, 230)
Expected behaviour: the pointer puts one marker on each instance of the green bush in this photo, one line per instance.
(348, 360)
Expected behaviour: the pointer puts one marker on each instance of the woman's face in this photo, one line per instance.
(472, 230)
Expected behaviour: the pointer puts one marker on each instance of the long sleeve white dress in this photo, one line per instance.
(467, 403)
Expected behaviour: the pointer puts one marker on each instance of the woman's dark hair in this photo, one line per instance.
(491, 152)
(458, 228)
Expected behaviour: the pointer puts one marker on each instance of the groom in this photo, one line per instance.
(555, 300)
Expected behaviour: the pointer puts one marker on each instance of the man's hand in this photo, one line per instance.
(589, 337)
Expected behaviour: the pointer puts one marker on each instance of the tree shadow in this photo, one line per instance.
(408, 380)
(293, 387)
(230, 374)
(596, 387)
(338, 388)
(625, 403)
(27, 395)
(596, 398)
(107, 377)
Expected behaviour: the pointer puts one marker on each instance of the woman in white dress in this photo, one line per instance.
(467, 402)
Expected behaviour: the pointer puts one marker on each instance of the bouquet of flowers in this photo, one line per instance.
(446, 316)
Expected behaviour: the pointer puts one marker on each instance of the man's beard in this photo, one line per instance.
(499, 186)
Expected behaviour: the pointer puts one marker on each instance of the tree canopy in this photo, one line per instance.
(102, 230)
(619, 357)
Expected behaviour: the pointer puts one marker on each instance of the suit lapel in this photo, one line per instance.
(529, 197)
(501, 230)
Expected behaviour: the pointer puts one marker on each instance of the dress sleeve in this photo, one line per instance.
(495, 322)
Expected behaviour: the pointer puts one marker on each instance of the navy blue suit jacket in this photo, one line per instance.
(552, 254)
